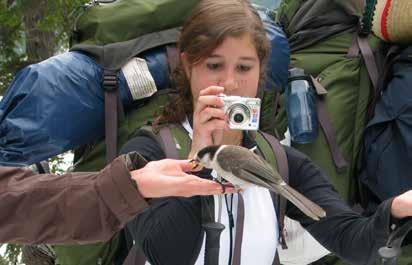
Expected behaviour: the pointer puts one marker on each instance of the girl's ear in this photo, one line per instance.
(186, 65)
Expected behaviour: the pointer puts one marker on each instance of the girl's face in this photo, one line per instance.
(233, 65)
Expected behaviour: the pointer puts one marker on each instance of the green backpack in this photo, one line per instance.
(327, 41)
(112, 43)
(324, 40)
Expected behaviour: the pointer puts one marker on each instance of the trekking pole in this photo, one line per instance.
(389, 253)
(213, 231)
(212, 246)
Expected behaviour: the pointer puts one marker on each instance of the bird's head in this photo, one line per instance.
(205, 156)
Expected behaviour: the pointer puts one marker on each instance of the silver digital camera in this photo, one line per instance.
(243, 113)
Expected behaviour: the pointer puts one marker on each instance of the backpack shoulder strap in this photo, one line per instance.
(276, 156)
(172, 138)
(277, 152)
(175, 143)
(111, 113)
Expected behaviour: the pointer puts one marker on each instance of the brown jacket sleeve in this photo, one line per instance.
(72, 208)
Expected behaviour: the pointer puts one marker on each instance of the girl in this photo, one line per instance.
(223, 48)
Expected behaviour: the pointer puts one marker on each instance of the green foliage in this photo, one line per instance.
(56, 18)
(3, 261)
(57, 164)
(13, 254)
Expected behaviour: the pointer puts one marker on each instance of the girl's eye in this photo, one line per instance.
(244, 68)
(213, 66)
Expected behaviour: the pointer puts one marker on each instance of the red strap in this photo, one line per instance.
(384, 21)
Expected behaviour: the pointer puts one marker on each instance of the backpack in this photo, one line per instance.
(111, 46)
(330, 44)
(106, 58)
(341, 64)
(388, 135)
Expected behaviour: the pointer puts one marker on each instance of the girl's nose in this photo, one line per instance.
(229, 82)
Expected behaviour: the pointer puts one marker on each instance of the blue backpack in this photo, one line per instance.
(59, 104)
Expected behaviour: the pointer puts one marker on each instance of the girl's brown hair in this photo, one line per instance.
(210, 23)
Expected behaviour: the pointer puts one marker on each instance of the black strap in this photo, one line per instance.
(136, 256)
(43, 167)
(283, 168)
(361, 44)
(240, 220)
(391, 57)
(276, 260)
(275, 109)
(172, 54)
(369, 59)
(280, 154)
(111, 114)
(326, 125)
(231, 225)
(169, 144)
(354, 50)
(173, 59)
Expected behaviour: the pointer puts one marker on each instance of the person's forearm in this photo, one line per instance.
(353, 238)
(72, 208)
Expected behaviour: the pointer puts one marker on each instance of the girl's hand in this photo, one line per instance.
(209, 119)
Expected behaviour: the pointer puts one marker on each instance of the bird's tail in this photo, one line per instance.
(308, 207)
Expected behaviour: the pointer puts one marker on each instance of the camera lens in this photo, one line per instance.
(238, 115)
(238, 118)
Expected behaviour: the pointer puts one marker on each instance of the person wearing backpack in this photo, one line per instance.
(223, 49)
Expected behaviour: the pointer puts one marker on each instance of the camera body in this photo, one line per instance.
(243, 113)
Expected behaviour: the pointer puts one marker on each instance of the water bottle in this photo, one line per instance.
(301, 107)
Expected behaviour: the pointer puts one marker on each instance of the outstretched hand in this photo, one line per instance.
(402, 205)
(169, 177)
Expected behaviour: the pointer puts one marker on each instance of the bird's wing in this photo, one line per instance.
(251, 168)
(244, 163)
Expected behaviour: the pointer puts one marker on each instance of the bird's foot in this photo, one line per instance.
(225, 184)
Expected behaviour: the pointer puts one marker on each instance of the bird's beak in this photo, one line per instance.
(195, 163)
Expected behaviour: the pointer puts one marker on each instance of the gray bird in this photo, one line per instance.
(242, 168)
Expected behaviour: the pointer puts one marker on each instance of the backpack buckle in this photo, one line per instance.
(109, 80)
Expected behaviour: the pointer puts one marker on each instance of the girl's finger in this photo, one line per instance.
(211, 113)
(212, 90)
(206, 101)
